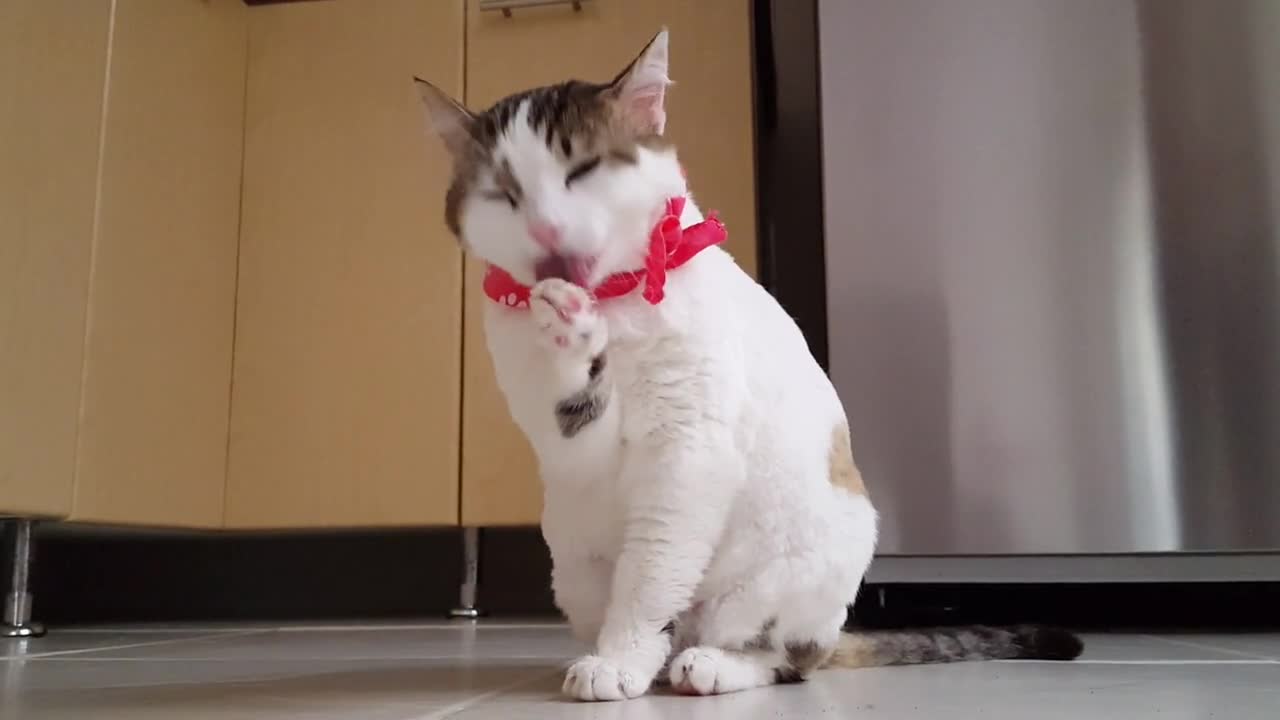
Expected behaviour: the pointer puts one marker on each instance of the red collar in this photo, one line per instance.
(670, 246)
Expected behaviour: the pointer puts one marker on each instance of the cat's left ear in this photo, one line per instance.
(639, 92)
(453, 122)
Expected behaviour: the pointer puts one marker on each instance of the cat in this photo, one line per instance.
(704, 514)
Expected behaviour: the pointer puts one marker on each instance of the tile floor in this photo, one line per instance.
(512, 671)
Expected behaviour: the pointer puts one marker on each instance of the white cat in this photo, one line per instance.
(701, 498)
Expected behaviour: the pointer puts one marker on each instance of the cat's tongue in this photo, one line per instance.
(576, 270)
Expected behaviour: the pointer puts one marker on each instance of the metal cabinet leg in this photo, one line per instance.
(467, 609)
(17, 607)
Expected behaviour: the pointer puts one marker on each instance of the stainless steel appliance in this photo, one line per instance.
(1053, 273)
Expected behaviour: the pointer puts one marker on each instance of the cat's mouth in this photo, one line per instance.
(573, 268)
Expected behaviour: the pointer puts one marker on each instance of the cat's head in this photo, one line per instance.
(565, 180)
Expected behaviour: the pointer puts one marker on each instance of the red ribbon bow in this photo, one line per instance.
(670, 246)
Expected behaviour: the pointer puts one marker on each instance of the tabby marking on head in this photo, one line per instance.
(559, 169)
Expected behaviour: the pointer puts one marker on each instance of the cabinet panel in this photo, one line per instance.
(157, 382)
(348, 338)
(52, 62)
(710, 119)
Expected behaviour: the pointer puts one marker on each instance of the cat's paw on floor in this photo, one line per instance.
(566, 315)
(695, 671)
(593, 678)
(712, 671)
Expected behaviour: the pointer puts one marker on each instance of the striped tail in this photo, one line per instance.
(959, 644)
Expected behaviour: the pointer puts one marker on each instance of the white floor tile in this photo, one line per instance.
(425, 671)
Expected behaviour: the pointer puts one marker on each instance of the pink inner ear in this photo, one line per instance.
(645, 106)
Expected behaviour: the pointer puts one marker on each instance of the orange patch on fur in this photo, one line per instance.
(842, 471)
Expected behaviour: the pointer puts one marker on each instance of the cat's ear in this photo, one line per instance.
(449, 119)
(640, 91)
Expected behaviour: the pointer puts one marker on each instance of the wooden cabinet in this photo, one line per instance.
(348, 337)
(227, 294)
(52, 60)
(709, 116)
(119, 175)
(157, 355)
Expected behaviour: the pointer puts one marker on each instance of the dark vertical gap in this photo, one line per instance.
(764, 123)
(790, 212)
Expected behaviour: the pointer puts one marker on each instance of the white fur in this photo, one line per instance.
(702, 493)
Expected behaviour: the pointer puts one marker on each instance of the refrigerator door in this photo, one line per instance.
(1053, 270)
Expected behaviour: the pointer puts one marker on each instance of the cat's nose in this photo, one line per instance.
(546, 234)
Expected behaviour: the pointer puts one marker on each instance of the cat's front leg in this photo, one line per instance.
(581, 587)
(678, 497)
(575, 334)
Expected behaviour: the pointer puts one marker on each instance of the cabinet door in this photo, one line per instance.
(709, 116)
(348, 335)
(157, 366)
(52, 59)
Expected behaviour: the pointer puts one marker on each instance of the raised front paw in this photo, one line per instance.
(567, 318)
(593, 678)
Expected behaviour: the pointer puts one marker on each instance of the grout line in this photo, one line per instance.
(1258, 661)
(159, 631)
(125, 646)
(559, 661)
(1214, 648)
(459, 626)
(330, 627)
(455, 708)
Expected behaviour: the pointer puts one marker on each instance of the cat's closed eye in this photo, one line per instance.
(581, 170)
(501, 196)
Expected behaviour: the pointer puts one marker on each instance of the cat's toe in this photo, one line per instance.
(564, 298)
(695, 671)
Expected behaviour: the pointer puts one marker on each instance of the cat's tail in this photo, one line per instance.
(942, 645)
